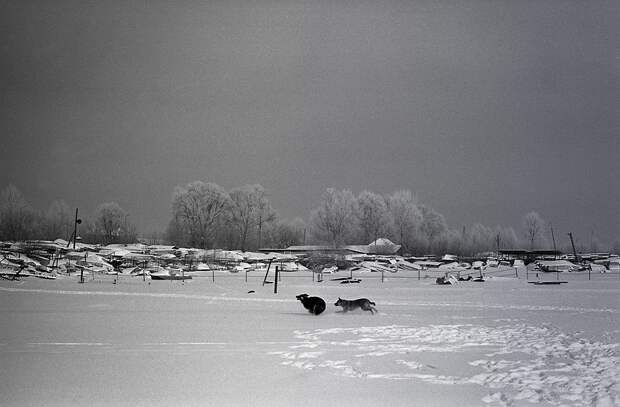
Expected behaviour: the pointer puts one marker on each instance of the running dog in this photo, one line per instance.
(314, 305)
(349, 305)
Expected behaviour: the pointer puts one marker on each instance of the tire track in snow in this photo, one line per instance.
(282, 300)
(154, 295)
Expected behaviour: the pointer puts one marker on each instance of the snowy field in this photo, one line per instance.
(503, 342)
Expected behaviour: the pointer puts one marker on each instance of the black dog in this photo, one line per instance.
(314, 305)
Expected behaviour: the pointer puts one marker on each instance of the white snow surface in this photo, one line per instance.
(503, 342)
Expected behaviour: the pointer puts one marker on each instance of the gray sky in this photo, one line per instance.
(486, 109)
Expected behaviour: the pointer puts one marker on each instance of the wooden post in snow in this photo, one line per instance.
(267, 273)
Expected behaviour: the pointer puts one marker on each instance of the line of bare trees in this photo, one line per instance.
(341, 218)
(19, 221)
(205, 215)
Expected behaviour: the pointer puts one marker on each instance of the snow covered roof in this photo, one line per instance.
(383, 246)
(379, 246)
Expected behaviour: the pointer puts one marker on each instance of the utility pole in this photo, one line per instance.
(74, 236)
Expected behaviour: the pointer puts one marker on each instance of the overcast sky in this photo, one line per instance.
(485, 109)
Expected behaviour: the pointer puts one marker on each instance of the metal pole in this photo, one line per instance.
(555, 249)
(275, 282)
(267, 273)
(75, 228)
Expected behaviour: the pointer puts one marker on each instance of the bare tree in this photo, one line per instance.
(433, 226)
(373, 216)
(334, 219)
(286, 233)
(534, 226)
(58, 221)
(112, 224)
(196, 208)
(406, 217)
(615, 247)
(480, 238)
(250, 209)
(16, 215)
(508, 238)
(456, 240)
(266, 215)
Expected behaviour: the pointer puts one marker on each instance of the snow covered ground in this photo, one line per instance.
(503, 342)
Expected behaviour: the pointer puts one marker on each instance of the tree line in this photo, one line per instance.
(19, 221)
(205, 215)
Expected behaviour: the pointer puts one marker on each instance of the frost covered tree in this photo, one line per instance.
(16, 215)
(58, 221)
(534, 225)
(480, 239)
(285, 233)
(267, 215)
(433, 227)
(250, 210)
(334, 220)
(405, 217)
(196, 209)
(615, 247)
(508, 238)
(112, 224)
(244, 210)
(373, 216)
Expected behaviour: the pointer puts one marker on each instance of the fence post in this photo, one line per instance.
(382, 273)
(267, 272)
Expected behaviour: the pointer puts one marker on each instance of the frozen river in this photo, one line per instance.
(201, 343)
